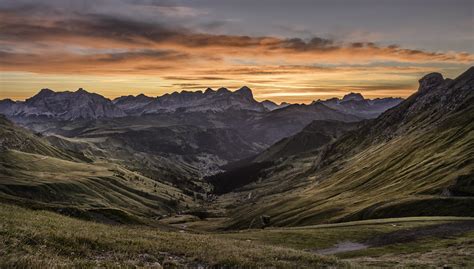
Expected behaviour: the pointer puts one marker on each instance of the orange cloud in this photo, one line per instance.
(100, 31)
(94, 46)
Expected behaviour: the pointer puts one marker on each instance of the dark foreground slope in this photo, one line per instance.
(178, 137)
(39, 239)
(314, 136)
(415, 159)
(14, 137)
(36, 174)
(305, 143)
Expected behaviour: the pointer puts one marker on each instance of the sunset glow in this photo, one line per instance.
(165, 46)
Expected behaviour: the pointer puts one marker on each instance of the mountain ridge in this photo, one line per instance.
(415, 159)
(356, 104)
(81, 104)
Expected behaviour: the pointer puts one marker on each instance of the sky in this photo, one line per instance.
(293, 51)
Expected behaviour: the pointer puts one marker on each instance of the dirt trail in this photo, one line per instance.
(342, 247)
(402, 236)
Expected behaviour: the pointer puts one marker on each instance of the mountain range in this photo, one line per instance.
(356, 104)
(296, 146)
(413, 160)
(178, 136)
(83, 105)
(192, 168)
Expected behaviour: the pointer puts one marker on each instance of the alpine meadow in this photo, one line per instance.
(237, 134)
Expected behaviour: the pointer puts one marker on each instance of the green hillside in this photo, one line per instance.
(39, 239)
(414, 160)
(36, 174)
(14, 137)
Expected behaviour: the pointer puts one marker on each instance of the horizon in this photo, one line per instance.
(237, 133)
(202, 91)
(118, 48)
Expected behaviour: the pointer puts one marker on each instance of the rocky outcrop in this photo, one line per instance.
(210, 100)
(65, 106)
(356, 104)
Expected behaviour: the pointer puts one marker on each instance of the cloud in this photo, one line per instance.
(94, 30)
(43, 40)
(177, 11)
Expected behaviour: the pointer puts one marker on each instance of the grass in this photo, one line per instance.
(327, 235)
(89, 190)
(455, 251)
(38, 239)
(433, 250)
(400, 178)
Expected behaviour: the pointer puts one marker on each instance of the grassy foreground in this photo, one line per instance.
(415, 242)
(42, 239)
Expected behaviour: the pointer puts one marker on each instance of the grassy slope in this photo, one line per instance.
(312, 137)
(14, 137)
(38, 239)
(384, 180)
(431, 250)
(97, 191)
(36, 174)
(408, 174)
(159, 168)
(323, 236)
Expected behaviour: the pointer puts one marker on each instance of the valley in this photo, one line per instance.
(217, 178)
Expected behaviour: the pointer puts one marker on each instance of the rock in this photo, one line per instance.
(353, 96)
(430, 81)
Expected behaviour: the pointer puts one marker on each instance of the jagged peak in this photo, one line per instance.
(45, 91)
(246, 91)
(269, 102)
(7, 100)
(222, 90)
(244, 88)
(209, 90)
(353, 96)
(81, 90)
(430, 81)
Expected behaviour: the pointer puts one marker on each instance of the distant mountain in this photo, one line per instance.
(287, 121)
(413, 160)
(63, 106)
(435, 99)
(9, 107)
(13, 137)
(132, 104)
(303, 144)
(209, 100)
(314, 136)
(179, 137)
(36, 174)
(353, 96)
(356, 104)
(272, 105)
(84, 105)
